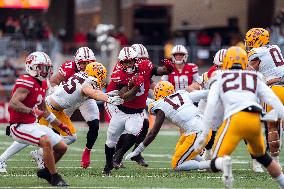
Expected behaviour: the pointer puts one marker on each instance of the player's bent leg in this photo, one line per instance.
(273, 139)
(14, 148)
(91, 139)
(59, 150)
(109, 152)
(139, 158)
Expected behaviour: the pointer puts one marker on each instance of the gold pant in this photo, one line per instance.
(240, 126)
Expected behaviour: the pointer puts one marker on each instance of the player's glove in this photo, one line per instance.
(115, 100)
(168, 64)
(200, 142)
(65, 129)
(136, 152)
(138, 80)
(113, 93)
(37, 112)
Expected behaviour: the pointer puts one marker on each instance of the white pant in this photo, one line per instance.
(89, 110)
(32, 132)
(121, 122)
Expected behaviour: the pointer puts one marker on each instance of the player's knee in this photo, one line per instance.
(45, 142)
(213, 165)
(265, 160)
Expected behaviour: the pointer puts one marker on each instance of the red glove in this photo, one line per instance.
(138, 80)
(168, 64)
(65, 129)
(37, 112)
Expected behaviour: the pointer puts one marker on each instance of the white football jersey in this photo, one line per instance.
(69, 94)
(271, 61)
(179, 108)
(237, 90)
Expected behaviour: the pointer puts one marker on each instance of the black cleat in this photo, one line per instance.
(57, 180)
(107, 170)
(140, 160)
(44, 174)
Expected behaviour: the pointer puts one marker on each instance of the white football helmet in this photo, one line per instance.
(182, 50)
(84, 54)
(141, 51)
(219, 56)
(125, 57)
(38, 65)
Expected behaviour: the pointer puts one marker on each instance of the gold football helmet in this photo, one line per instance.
(235, 57)
(98, 71)
(256, 37)
(163, 89)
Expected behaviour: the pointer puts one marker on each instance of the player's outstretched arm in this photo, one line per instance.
(160, 117)
(164, 70)
(97, 94)
(16, 101)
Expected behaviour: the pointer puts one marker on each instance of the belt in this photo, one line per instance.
(130, 110)
(252, 109)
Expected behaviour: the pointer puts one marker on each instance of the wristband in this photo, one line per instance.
(50, 118)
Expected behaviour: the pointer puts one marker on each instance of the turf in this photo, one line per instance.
(21, 169)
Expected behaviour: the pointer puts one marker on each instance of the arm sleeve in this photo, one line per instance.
(197, 78)
(267, 95)
(197, 95)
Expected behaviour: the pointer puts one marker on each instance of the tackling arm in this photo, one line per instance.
(56, 79)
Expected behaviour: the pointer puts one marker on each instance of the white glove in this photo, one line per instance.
(51, 90)
(115, 100)
(136, 152)
(200, 142)
(270, 116)
(113, 93)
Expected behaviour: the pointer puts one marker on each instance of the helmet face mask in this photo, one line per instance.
(163, 89)
(256, 37)
(177, 53)
(83, 56)
(235, 57)
(38, 65)
(127, 58)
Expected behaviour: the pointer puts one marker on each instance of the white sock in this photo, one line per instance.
(198, 158)
(219, 163)
(193, 165)
(188, 165)
(14, 148)
(280, 180)
(276, 158)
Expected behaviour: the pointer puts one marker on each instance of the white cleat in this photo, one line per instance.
(227, 176)
(256, 167)
(3, 167)
(38, 159)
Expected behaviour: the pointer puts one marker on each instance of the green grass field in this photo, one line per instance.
(21, 169)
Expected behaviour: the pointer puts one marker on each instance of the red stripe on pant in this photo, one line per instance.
(18, 133)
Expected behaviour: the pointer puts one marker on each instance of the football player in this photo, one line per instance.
(142, 54)
(177, 107)
(268, 60)
(26, 105)
(184, 74)
(88, 108)
(240, 92)
(132, 78)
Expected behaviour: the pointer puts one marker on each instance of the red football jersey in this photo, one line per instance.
(35, 97)
(211, 70)
(67, 69)
(120, 78)
(181, 80)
